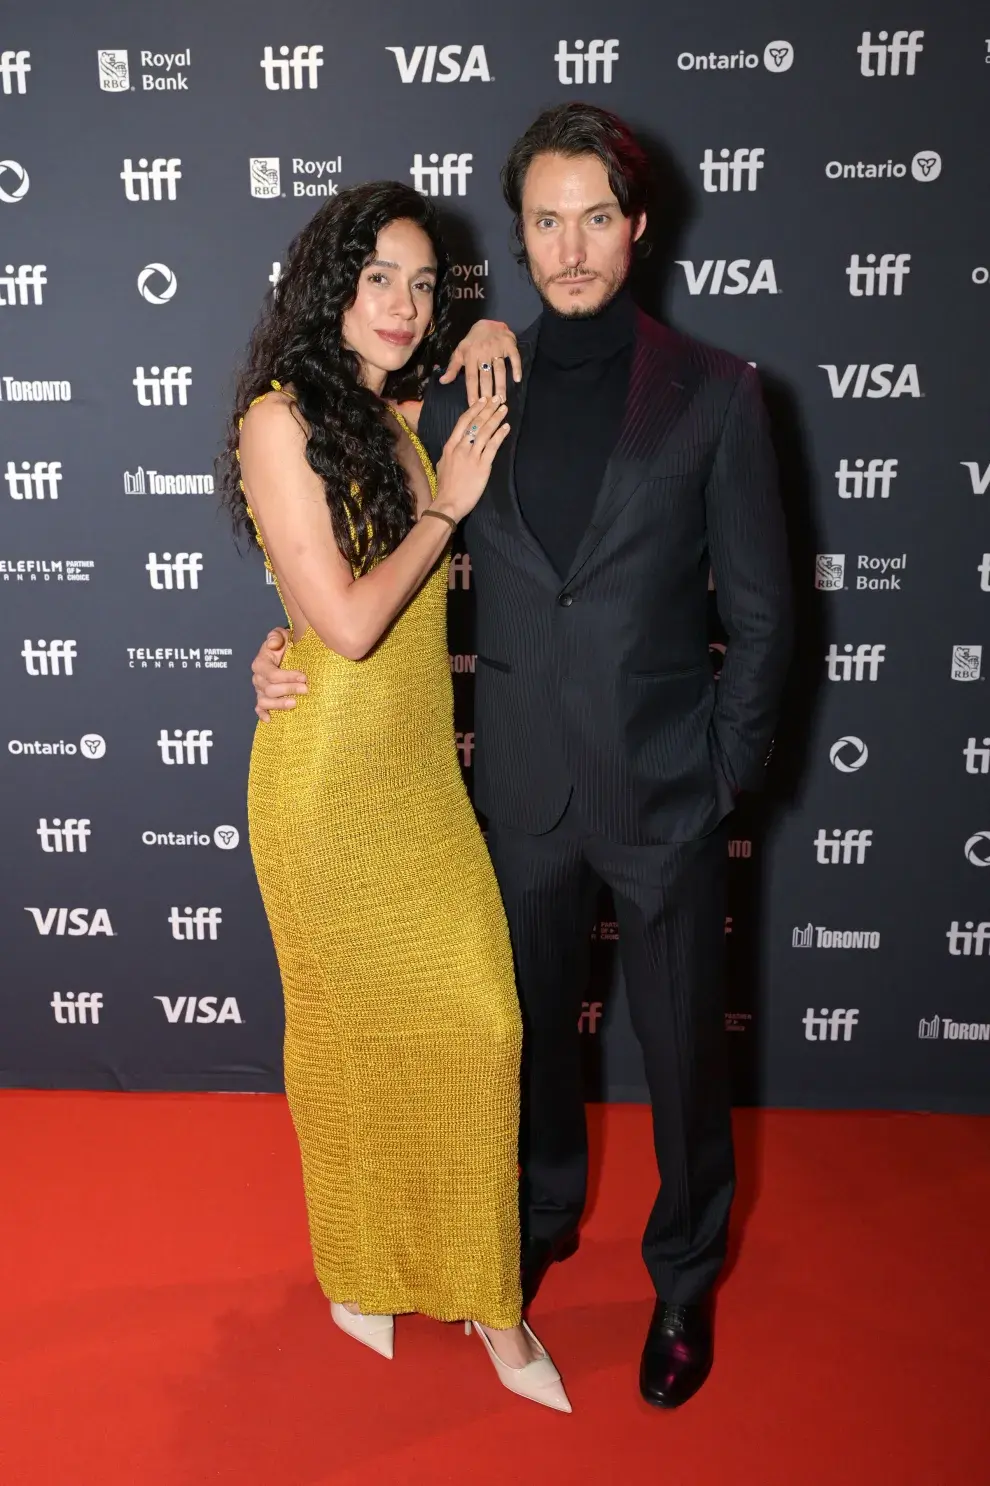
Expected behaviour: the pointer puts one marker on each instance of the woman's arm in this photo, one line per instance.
(288, 499)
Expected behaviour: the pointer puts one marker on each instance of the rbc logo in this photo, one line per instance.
(266, 176)
(830, 571)
(115, 71)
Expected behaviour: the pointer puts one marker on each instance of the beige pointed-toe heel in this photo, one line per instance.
(539, 1380)
(376, 1332)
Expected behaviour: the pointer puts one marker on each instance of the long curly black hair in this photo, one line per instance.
(297, 341)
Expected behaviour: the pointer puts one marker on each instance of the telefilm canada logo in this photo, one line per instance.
(46, 569)
(178, 657)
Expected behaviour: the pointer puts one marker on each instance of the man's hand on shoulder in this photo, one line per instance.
(482, 356)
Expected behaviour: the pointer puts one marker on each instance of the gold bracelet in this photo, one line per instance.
(440, 515)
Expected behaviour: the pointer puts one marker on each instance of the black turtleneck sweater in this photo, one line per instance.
(571, 421)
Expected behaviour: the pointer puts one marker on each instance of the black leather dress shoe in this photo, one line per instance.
(537, 1256)
(678, 1354)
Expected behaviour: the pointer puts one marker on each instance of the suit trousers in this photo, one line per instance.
(670, 907)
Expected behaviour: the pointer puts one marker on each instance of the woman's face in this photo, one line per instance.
(394, 305)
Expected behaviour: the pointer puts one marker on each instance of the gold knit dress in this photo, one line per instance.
(402, 1026)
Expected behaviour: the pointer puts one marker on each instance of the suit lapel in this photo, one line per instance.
(506, 493)
(661, 385)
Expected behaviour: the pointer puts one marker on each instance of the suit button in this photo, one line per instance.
(566, 600)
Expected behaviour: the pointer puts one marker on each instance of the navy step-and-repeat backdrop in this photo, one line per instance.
(824, 212)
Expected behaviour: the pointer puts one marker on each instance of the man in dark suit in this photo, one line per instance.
(638, 459)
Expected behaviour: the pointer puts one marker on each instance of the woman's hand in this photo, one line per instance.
(483, 354)
(276, 690)
(466, 462)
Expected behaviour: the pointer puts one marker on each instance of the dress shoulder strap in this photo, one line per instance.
(418, 445)
(275, 387)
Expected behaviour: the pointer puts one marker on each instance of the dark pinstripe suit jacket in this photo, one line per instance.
(603, 683)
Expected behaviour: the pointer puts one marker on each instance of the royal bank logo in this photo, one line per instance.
(14, 68)
(778, 56)
(468, 280)
(324, 170)
(816, 936)
(729, 276)
(17, 389)
(155, 180)
(157, 283)
(880, 275)
(266, 176)
(891, 55)
(295, 69)
(733, 170)
(77, 923)
(830, 571)
(23, 285)
(225, 838)
(49, 657)
(585, 64)
(200, 1009)
(926, 165)
(14, 182)
(441, 64)
(34, 481)
(446, 177)
(114, 70)
(45, 570)
(862, 480)
(977, 756)
(848, 754)
(862, 380)
(966, 662)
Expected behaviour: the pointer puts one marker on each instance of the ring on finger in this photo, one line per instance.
(486, 366)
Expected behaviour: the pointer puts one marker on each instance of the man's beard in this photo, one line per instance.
(582, 311)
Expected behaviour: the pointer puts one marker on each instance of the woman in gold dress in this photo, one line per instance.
(402, 1028)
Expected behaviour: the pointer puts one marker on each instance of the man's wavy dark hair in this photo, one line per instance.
(573, 129)
(297, 341)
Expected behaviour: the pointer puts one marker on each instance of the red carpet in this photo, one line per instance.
(160, 1325)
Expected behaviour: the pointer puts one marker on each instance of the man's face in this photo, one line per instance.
(578, 243)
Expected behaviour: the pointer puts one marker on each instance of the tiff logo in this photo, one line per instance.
(199, 923)
(301, 67)
(863, 665)
(977, 756)
(148, 182)
(68, 835)
(979, 479)
(882, 58)
(864, 479)
(34, 481)
(591, 1015)
(873, 277)
(73, 1010)
(459, 572)
(842, 848)
(581, 65)
(734, 170)
(172, 572)
(438, 179)
(971, 939)
(983, 569)
(22, 285)
(49, 657)
(156, 389)
(826, 1026)
(465, 747)
(189, 747)
(14, 68)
